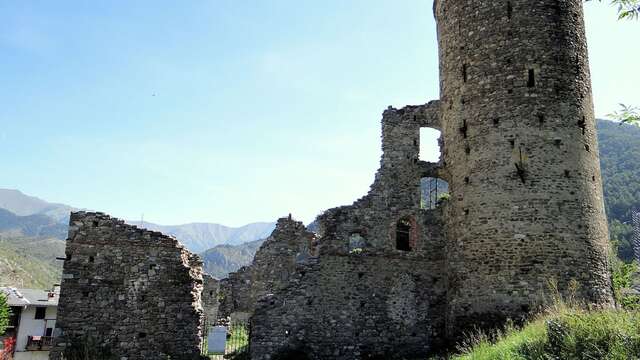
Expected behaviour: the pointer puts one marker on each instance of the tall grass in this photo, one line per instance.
(565, 330)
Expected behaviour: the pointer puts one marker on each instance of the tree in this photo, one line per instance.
(5, 313)
(627, 114)
(627, 9)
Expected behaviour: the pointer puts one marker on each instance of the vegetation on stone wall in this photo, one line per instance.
(5, 312)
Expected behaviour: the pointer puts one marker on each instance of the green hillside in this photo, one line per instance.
(620, 163)
(30, 263)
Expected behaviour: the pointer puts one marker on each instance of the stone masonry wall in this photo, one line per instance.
(359, 305)
(362, 296)
(521, 157)
(210, 299)
(130, 292)
(273, 265)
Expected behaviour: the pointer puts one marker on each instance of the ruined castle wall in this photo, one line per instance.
(273, 265)
(362, 295)
(210, 299)
(358, 305)
(130, 292)
(521, 154)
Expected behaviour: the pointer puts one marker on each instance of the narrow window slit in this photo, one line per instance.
(464, 128)
(464, 72)
(509, 9)
(532, 78)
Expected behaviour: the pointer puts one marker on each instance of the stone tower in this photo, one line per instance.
(521, 157)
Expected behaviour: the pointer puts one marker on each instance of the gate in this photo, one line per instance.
(228, 342)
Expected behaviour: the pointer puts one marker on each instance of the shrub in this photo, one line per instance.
(5, 313)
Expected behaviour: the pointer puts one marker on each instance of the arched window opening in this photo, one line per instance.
(433, 192)
(404, 234)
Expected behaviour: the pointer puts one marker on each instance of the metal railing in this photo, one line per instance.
(236, 344)
(38, 343)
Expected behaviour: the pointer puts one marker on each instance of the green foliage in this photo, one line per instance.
(572, 334)
(627, 114)
(444, 197)
(29, 262)
(627, 9)
(620, 164)
(5, 313)
(622, 277)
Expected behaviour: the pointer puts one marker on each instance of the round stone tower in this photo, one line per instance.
(521, 158)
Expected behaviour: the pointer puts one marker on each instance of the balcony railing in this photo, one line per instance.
(39, 343)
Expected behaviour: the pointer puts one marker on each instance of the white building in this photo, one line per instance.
(33, 321)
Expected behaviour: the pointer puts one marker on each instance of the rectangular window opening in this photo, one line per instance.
(532, 78)
(40, 313)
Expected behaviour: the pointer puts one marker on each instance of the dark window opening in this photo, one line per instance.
(496, 121)
(403, 234)
(541, 119)
(210, 293)
(95, 223)
(466, 180)
(532, 78)
(567, 173)
(509, 9)
(464, 128)
(586, 147)
(467, 149)
(593, 178)
(48, 332)
(40, 313)
(513, 143)
(68, 258)
(142, 335)
(91, 259)
(464, 72)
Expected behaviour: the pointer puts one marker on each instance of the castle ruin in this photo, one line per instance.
(390, 276)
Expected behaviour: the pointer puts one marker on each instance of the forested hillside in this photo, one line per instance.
(620, 163)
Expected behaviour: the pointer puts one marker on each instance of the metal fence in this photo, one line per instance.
(235, 345)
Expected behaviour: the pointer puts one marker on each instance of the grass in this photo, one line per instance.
(564, 331)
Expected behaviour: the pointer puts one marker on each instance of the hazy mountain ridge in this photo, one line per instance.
(36, 225)
(25, 205)
(223, 259)
(199, 237)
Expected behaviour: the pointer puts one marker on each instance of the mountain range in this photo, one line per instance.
(33, 231)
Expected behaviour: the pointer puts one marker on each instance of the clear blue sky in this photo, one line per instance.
(226, 111)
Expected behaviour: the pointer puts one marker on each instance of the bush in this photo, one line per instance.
(5, 313)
